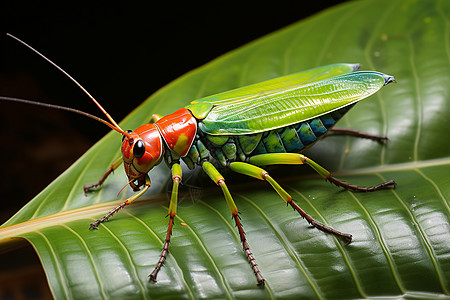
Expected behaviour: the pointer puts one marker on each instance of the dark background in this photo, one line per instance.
(121, 54)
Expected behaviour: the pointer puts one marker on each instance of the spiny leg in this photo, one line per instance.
(254, 171)
(147, 184)
(220, 181)
(111, 169)
(356, 133)
(176, 178)
(294, 159)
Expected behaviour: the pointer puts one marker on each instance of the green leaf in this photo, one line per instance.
(401, 236)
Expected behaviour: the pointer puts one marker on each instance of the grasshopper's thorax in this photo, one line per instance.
(178, 131)
(142, 151)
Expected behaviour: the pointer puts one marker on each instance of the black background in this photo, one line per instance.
(121, 54)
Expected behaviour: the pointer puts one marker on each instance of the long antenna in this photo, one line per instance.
(80, 112)
(114, 125)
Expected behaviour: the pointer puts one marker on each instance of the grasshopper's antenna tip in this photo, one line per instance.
(114, 125)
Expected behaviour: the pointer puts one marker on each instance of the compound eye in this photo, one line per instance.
(139, 149)
(123, 137)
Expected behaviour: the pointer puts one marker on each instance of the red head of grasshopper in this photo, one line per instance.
(142, 149)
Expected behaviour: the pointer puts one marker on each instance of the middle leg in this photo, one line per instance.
(176, 179)
(220, 181)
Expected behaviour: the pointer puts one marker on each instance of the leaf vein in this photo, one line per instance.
(227, 288)
(63, 282)
(418, 98)
(369, 46)
(428, 243)
(91, 259)
(288, 248)
(446, 30)
(381, 241)
(222, 218)
(188, 289)
(132, 265)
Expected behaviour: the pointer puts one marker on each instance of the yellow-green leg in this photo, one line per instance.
(220, 181)
(176, 178)
(254, 171)
(111, 169)
(298, 159)
(147, 184)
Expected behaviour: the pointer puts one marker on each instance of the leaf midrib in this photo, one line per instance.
(98, 209)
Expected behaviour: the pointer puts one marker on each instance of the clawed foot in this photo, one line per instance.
(88, 187)
(337, 182)
(94, 225)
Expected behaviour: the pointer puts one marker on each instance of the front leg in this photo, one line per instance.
(111, 169)
(94, 225)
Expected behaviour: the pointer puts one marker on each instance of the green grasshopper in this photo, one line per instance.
(262, 124)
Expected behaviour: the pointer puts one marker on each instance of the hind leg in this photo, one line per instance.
(299, 159)
(254, 171)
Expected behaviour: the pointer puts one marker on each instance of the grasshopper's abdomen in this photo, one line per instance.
(293, 138)
(296, 138)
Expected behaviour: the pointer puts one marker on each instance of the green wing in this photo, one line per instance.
(285, 100)
(201, 107)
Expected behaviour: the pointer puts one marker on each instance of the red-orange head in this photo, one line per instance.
(142, 150)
